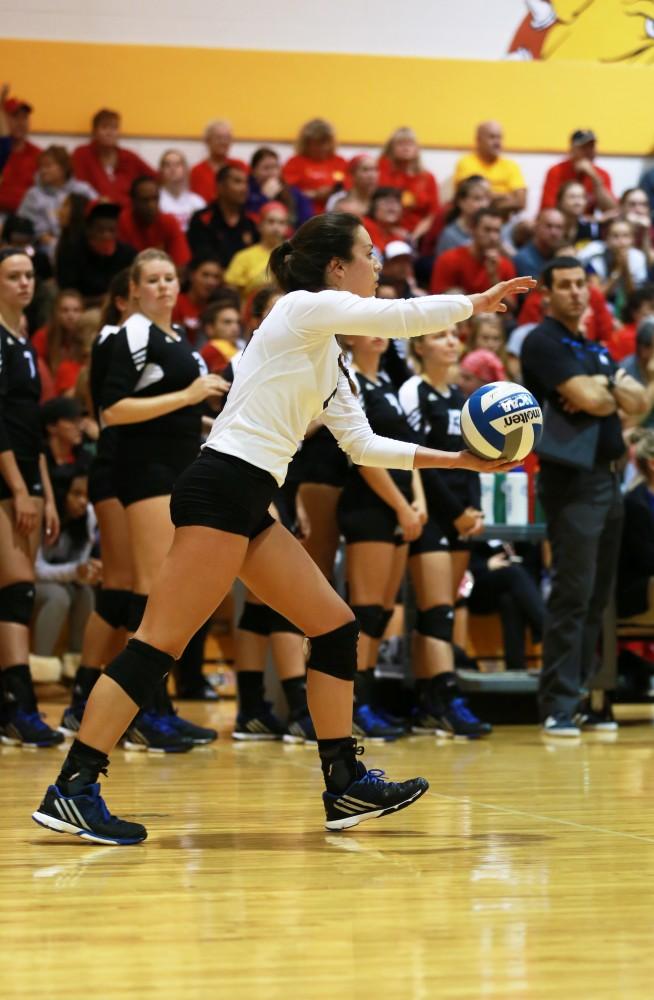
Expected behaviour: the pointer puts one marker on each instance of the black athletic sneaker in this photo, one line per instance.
(370, 797)
(71, 720)
(596, 720)
(155, 734)
(87, 817)
(27, 729)
(425, 720)
(367, 723)
(198, 735)
(263, 726)
(456, 721)
(300, 730)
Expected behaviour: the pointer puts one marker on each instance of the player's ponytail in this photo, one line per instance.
(301, 262)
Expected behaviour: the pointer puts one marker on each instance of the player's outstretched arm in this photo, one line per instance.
(492, 299)
(430, 458)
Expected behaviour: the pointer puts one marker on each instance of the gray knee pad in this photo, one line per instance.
(139, 670)
(278, 623)
(335, 652)
(370, 618)
(136, 610)
(113, 607)
(17, 603)
(436, 622)
(255, 618)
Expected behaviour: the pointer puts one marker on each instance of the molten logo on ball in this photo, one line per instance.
(501, 420)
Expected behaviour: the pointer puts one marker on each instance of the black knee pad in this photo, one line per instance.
(335, 652)
(436, 622)
(113, 606)
(135, 610)
(255, 618)
(461, 602)
(370, 618)
(278, 623)
(387, 614)
(17, 603)
(139, 670)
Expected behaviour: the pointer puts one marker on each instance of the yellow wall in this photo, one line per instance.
(167, 91)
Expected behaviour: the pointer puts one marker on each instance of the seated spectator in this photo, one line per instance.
(89, 262)
(579, 227)
(54, 342)
(42, 202)
(223, 227)
(635, 589)
(639, 305)
(5, 138)
(479, 368)
(398, 272)
(400, 167)
(316, 169)
(471, 194)
(640, 365)
(248, 269)
(543, 246)
(266, 184)
(504, 175)
(257, 309)
(475, 267)
(17, 173)
(617, 266)
(361, 183)
(647, 184)
(221, 324)
(487, 333)
(175, 196)
(66, 573)
(71, 369)
(105, 165)
(142, 224)
(19, 232)
(62, 425)
(218, 139)
(634, 207)
(205, 276)
(384, 222)
(581, 167)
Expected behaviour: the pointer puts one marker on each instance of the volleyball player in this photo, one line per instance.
(290, 372)
(26, 504)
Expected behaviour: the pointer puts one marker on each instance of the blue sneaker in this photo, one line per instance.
(300, 730)
(27, 729)
(456, 721)
(155, 734)
(263, 726)
(86, 816)
(562, 725)
(370, 797)
(198, 735)
(71, 720)
(366, 722)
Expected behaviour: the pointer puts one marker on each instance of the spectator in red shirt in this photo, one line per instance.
(142, 224)
(316, 169)
(22, 162)
(55, 342)
(581, 167)
(218, 138)
(221, 324)
(104, 164)
(384, 222)
(638, 307)
(477, 266)
(205, 278)
(400, 167)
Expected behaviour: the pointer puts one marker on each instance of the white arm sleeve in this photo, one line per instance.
(332, 312)
(346, 420)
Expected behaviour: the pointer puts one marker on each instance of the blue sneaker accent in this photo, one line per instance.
(27, 729)
(370, 797)
(561, 724)
(86, 816)
(366, 722)
(456, 721)
(155, 734)
(198, 735)
(300, 730)
(263, 726)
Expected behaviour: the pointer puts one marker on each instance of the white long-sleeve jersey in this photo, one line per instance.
(289, 375)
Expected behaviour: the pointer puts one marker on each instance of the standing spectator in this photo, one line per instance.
(400, 167)
(53, 183)
(20, 166)
(175, 196)
(55, 342)
(580, 166)
(316, 169)
(221, 324)
(218, 139)
(248, 269)
(542, 247)
(205, 276)
(580, 389)
(619, 268)
(639, 305)
(471, 194)
(265, 183)
(142, 224)
(504, 175)
(223, 228)
(640, 365)
(89, 262)
(105, 165)
(580, 227)
(384, 222)
(472, 268)
(362, 182)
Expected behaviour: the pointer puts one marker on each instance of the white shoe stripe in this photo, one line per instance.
(358, 802)
(60, 810)
(82, 822)
(345, 809)
(64, 811)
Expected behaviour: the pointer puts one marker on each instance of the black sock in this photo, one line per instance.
(423, 689)
(295, 690)
(362, 687)
(162, 701)
(81, 768)
(18, 687)
(445, 686)
(84, 683)
(339, 763)
(250, 691)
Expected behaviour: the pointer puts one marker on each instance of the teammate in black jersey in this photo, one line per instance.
(26, 503)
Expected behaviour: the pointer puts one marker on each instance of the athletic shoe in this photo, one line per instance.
(87, 817)
(369, 797)
(590, 720)
(425, 721)
(198, 735)
(155, 734)
(456, 721)
(561, 725)
(300, 730)
(263, 726)
(27, 729)
(367, 723)
(396, 721)
(71, 720)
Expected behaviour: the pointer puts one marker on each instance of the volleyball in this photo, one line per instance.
(501, 420)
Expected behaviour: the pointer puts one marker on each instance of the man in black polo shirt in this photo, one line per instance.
(222, 228)
(581, 392)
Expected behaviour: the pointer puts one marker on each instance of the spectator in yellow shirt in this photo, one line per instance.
(248, 269)
(504, 175)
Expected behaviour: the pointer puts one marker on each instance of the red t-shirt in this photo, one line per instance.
(308, 175)
(622, 342)
(459, 268)
(382, 237)
(215, 360)
(599, 322)
(187, 314)
(203, 177)
(165, 233)
(114, 185)
(18, 176)
(419, 192)
(560, 173)
(67, 375)
(39, 341)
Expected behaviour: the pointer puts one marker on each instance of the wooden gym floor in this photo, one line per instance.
(526, 872)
